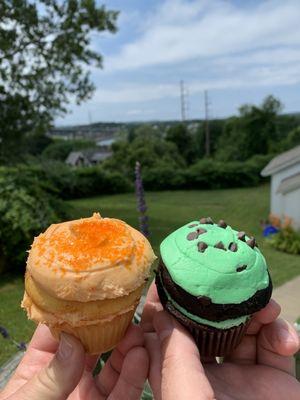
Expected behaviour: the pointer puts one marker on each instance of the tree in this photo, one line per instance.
(253, 132)
(215, 128)
(184, 141)
(44, 51)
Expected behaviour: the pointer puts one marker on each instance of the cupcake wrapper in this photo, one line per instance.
(98, 338)
(211, 342)
(217, 342)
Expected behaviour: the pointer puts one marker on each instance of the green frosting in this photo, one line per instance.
(229, 323)
(213, 272)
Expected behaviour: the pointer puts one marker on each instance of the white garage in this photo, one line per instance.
(285, 185)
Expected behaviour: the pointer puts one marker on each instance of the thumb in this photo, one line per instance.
(183, 376)
(60, 377)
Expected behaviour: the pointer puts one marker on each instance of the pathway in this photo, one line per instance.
(288, 296)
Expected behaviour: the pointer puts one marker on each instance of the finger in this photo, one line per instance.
(152, 306)
(43, 340)
(265, 316)
(110, 373)
(39, 353)
(245, 352)
(133, 375)
(183, 376)
(277, 343)
(57, 380)
(152, 345)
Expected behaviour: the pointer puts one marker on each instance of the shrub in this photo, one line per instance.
(210, 174)
(163, 177)
(60, 149)
(61, 180)
(26, 209)
(287, 240)
(94, 181)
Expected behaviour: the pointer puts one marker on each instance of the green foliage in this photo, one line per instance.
(149, 150)
(26, 209)
(253, 132)
(44, 51)
(93, 181)
(35, 144)
(60, 149)
(66, 182)
(292, 140)
(216, 128)
(287, 240)
(184, 141)
(163, 176)
(210, 174)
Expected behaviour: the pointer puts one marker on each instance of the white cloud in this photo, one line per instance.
(181, 30)
(251, 77)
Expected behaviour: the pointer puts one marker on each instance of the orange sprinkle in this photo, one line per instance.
(86, 242)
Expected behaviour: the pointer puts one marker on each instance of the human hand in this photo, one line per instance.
(261, 367)
(52, 371)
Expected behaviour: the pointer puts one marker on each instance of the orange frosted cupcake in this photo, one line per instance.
(85, 277)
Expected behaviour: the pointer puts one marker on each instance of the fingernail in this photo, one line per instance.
(286, 336)
(164, 326)
(65, 348)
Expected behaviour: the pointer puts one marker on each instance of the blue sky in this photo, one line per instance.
(238, 50)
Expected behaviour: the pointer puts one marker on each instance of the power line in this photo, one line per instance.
(182, 100)
(207, 132)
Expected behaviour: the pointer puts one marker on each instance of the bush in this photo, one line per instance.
(60, 149)
(163, 177)
(92, 181)
(59, 179)
(287, 240)
(26, 209)
(210, 174)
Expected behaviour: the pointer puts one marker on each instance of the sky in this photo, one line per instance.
(239, 51)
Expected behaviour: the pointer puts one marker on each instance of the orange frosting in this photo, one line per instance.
(90, 259)
(90, 239)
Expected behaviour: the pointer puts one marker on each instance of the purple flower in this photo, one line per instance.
(141, 203)
(22, 346)
(4, 332)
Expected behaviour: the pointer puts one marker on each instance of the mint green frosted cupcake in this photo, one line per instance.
(212, 278)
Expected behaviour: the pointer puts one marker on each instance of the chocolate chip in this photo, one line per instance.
(207, 220)
(192, 236)
(242, 236)
(222, 224)
(204, 300)
(192, 226)
(202, 246)
(146, 279)
(233, 247)
(220, 245)
(200, 231)
(251, 242)
(241, 268)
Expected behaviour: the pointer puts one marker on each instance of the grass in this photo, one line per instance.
(12, 317)
(241, 208)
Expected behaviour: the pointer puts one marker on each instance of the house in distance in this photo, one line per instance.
(285, 185)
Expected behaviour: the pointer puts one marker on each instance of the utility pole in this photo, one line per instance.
(90, 124)
(182, 101)
(207, 133)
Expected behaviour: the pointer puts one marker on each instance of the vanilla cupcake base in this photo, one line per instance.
(98, 338)
(97, 335)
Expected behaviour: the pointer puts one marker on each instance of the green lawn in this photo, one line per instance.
(241, 208)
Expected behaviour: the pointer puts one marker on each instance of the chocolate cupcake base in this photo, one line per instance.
(211, 342)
